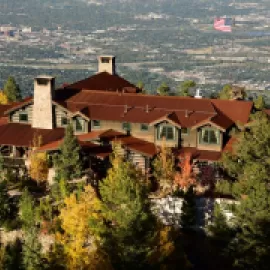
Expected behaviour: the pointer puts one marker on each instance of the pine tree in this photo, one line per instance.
(251, 155)
(219, 228)
(249, 165)
(163, 89)
(31, 250)
(251, 247)
(125, 208)
(12, 90)
(27, 210)
(68, 162)
(188, 210)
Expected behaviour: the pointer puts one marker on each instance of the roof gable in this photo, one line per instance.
(104, 82)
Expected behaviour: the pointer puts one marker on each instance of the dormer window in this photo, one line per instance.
(209, 136)
(23, 117)
(79, 124)
(166, 132)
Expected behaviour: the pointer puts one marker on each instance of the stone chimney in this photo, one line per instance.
(44, 87)
(106, 63)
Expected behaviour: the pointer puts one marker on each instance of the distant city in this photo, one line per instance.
(152, 43)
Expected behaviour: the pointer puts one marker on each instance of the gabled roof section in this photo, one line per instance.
(22, 135)
(235, 110)
(17, 105)
(104, 81)
(171, 118)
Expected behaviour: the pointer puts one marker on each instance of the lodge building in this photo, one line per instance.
(105, 108)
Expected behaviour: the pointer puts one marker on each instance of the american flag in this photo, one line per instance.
(223, 24)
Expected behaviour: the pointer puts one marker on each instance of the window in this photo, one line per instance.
(79, 125)
(23, 117)
(96, 124)
(167, 132)
(184, 131)
(209, 136)
(144, 127)
(64, 121)
(126, 126)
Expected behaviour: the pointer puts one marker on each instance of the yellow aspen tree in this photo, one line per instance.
(38, 161)
(79, 239)
(3, 98)
(164, 169)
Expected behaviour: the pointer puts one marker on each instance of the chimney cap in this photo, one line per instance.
(106, 56)
(45, 77)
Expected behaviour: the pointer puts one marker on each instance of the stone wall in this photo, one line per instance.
(169, 209)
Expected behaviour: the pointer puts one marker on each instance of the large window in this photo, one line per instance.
(96, 124)
(23, 117)
(166, 132)
(79, 125)
(209, 136)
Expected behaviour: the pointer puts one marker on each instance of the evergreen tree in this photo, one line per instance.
(125, 207)
(163, 90)
(188, 214)
(259, 103)
(27, 210)
(251, 247)
(68, 162)
(251, 155)
(31, 250)
(184, 88)
(12, 90)
(250, 166)
(219, 228)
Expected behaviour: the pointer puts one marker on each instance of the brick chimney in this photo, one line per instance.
(44, 87)
(106, 63)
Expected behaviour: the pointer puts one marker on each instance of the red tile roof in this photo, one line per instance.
(22, 135)
(137, 145)
(135, 108)
(105, 82)
(202, 155)
(235, 110)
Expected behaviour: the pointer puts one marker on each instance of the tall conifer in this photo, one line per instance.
(68, 162)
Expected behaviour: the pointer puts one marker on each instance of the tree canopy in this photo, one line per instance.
(163, 90)
(184, 88)
(125, 207)
(12, 90)
(68, 162)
